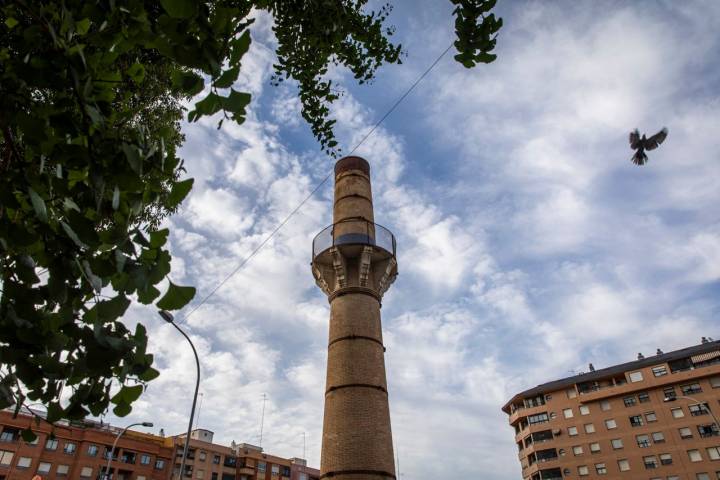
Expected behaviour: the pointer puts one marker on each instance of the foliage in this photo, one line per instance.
(90, 107)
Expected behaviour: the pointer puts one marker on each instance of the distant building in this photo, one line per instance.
(650, 419)
(78, 451)
(210, 461)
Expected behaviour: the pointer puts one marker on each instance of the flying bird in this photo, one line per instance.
(641, 144)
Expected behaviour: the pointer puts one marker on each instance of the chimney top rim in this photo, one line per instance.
(352, 163)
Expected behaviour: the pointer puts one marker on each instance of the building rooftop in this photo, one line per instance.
(709, 346)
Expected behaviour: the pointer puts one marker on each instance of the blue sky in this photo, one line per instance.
(528, 244)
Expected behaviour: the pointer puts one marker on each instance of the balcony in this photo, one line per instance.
(354, 232)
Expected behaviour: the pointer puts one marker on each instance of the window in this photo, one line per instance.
(685, 432)
(715, 382)
(86, 472)
(583, 470)
(275, 470)
(616, 443)
(93, 450)
(568, 413)
(572, 431)
(673, 477)
(702, 476)
(144, 459)
(539, 418)
(6, 457)
(571, 393)
(643, 397)
(216, 459)
(659, 371)
(584, 410)
(601, 469)
(200, 474)
(24, 462)
(44, 467)
(650, 462)
(677, 412)
(650, 417)
(605, 405)
(694, 455)
(9, 435)
(698, 409)
(665, 459)
(643, 441)
(691, 388)
(709, 430)
(635, 377)
(70, 448)
(636, 421)
(159, 464)
(623, 465)
(203, 455)
(51, 444)
(589, 428)
(261, 466)
(669, 392)
(658, 437)
(594, 447)
(577, 450)
(141, 477)
(713, 453)
(610, 423)
(63, 469)
(629, 401)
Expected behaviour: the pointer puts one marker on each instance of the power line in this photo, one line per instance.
(314, 191)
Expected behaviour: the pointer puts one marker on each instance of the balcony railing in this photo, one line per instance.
(354, 232)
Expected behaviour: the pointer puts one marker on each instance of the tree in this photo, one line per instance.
(90, 111)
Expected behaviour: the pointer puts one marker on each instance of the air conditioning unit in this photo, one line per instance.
(556, 432)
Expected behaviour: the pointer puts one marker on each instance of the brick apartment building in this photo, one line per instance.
(80, 452)
(649, 419)
(210, 461)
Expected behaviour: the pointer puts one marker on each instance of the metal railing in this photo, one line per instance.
(354, 232)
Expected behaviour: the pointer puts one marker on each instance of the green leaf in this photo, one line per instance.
(176, 297)
(39, 205)
(28, 435)
(82, 26)
(236, 102)
(179, 191)
(189, 83)
(149, 374)
(158, 238)
(207, 106)
(136, 72)
(227, 78)
(111, 310)
(11, 22)
(180, 8)
(116, 198)
(122, 409)
(240, 46)
(133, 157)
(127, 394)
(73, 236)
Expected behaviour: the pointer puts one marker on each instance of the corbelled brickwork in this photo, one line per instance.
(355, 270)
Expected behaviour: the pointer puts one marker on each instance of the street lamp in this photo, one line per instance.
(167, 316)
(112, 450)
(702, 405)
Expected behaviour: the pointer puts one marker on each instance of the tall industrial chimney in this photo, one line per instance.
(354, 264)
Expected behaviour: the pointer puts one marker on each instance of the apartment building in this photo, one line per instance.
(649, 419)
(210, 461)
(78, 451)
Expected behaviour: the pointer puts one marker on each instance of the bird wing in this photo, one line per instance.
(634, 139)
(653, 142)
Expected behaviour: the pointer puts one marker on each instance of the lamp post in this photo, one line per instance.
(702, 405)
(167, 316)
(112, 450)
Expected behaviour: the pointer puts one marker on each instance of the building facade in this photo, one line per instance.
(650, 419)
(79, 451)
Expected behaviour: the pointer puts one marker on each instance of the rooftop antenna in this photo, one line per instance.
(304, 457)
(262, 417)
(197, 420)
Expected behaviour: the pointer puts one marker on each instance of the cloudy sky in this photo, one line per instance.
(528, 243)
